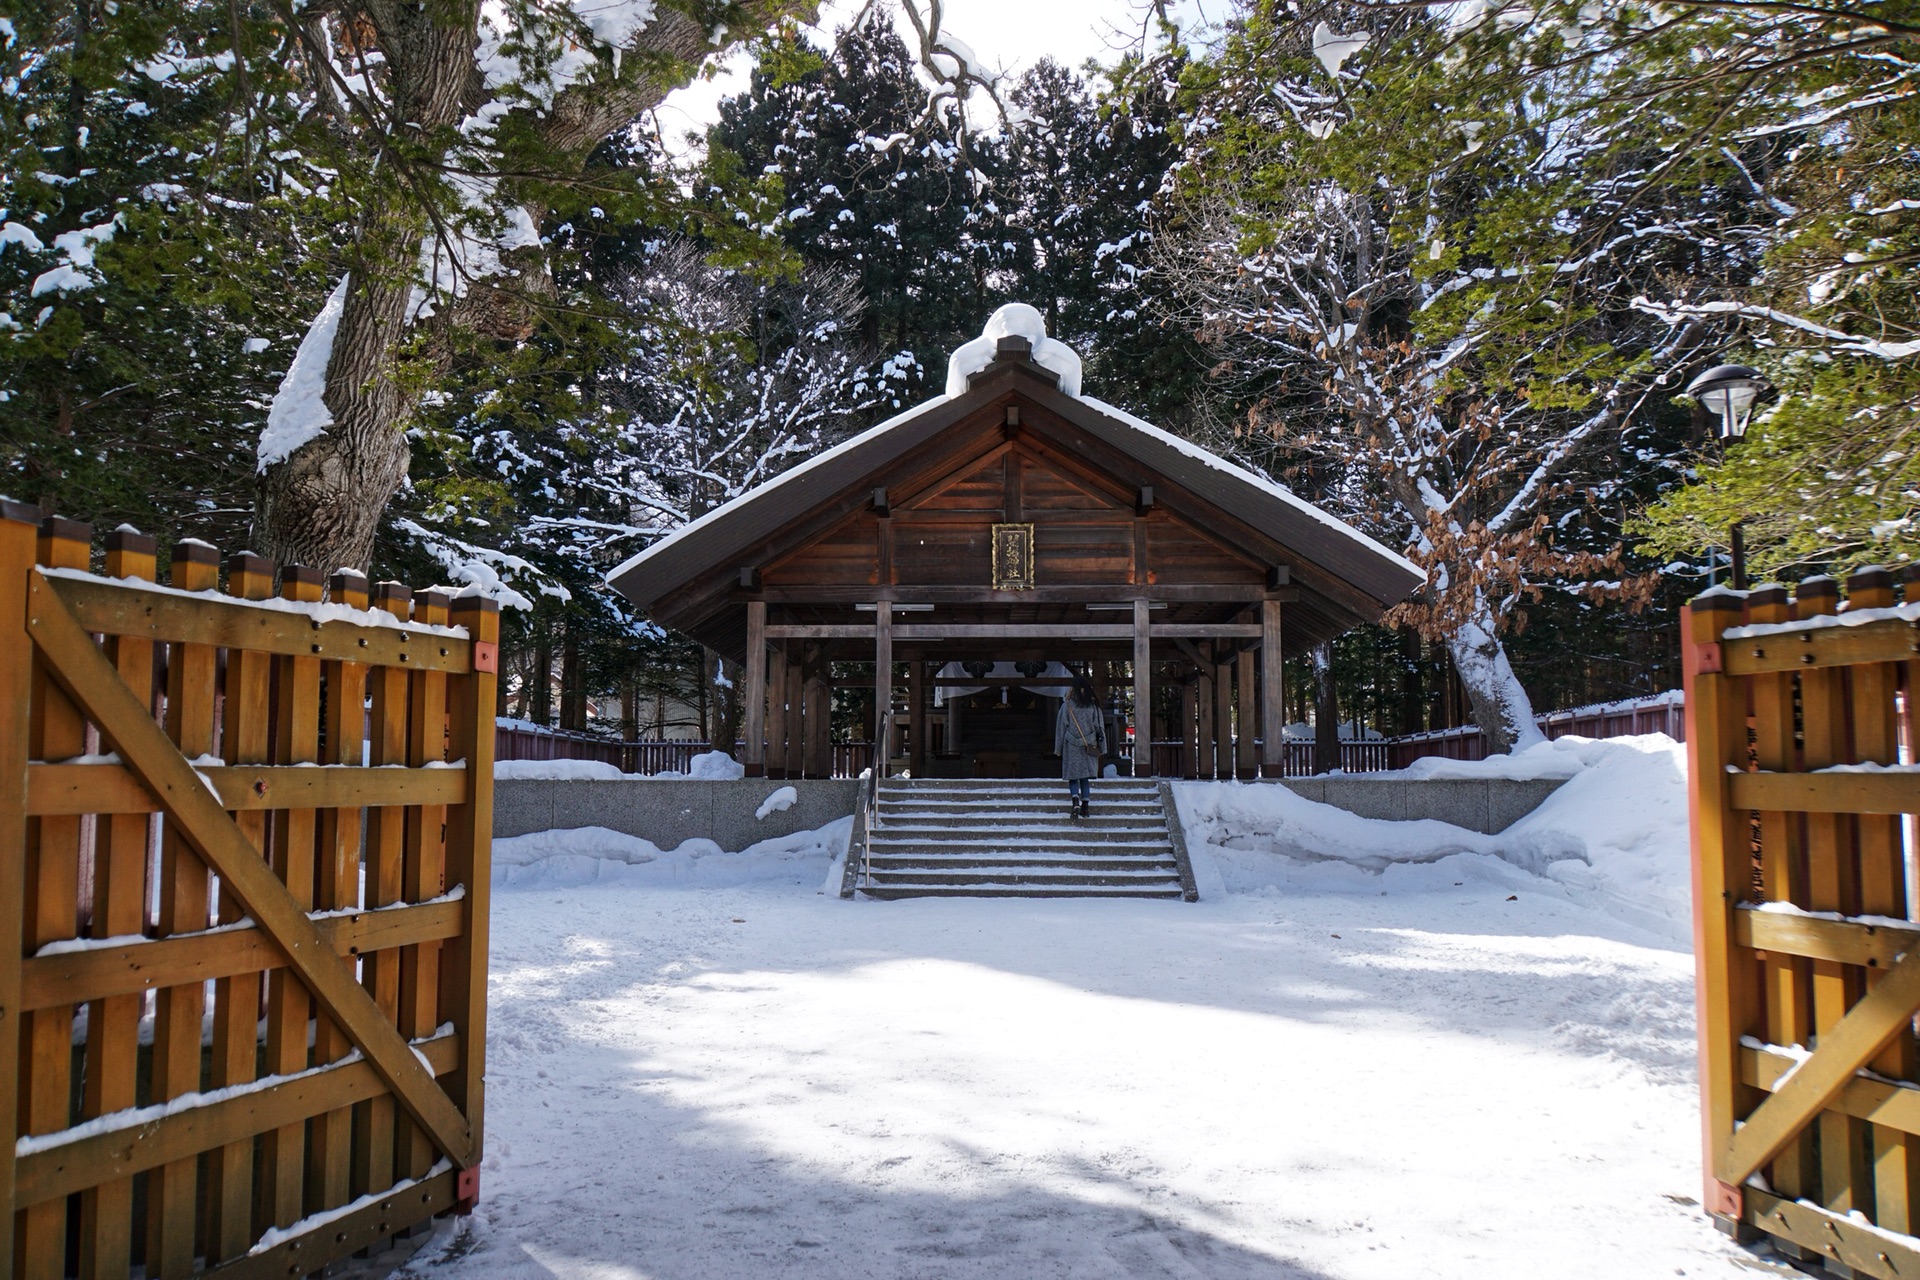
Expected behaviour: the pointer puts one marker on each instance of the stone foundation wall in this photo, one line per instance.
(668, 811)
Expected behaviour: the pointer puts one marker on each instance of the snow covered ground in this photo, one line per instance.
(706, 1066)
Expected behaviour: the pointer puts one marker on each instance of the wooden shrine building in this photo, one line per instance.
(1018, 523)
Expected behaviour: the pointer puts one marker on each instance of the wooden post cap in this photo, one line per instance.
(61, 529)
(21, 512)
(194, 551)
(248, 562)
(127, 540)
(1718, 600)
(1772, 595)
(298, 575)
(1870, 577)
(1820, 587)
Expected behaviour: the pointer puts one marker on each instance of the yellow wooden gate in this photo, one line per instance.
(244, 850)
(1800, 723)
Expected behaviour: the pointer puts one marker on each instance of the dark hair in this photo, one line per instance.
(1082, 691)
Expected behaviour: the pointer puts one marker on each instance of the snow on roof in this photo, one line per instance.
(1020, 320)
(814, 463)
(1269, 487)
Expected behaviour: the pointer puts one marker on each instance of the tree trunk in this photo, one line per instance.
(1326, 713)
(1499, 702)
(541, 707)
(321, 506)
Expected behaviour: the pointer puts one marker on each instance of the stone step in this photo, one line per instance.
(887, 893)
(1068, 829)
(1016, 849)
(1064, 862)
(1012, 809)
(1012, 875)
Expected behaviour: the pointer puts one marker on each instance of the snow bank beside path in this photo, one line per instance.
(598, 856)
(556, 770)
(1613, 836)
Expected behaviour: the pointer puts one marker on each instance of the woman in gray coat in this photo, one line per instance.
(1080, 739)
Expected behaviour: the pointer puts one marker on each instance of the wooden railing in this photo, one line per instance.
(521, 741)
(189, 839)
(1800, 735)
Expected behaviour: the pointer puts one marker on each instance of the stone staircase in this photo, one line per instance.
(1013, 838)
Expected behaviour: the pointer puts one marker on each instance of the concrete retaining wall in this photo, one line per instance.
(668, 811)
(1486, 805)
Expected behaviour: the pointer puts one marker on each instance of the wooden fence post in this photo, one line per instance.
(1727, 984)
(16, 695)
(469, 864)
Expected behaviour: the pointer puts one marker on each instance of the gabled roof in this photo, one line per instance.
(720, 538)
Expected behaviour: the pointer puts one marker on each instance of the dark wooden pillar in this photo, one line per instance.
(882, 686)
(796, 719)
(1203, 707)
(755, 692)
(1222, 709)
(777, 713)
(1273, 692)
(1142, 691)
(1189, 728)
(1244, 761)
(917, 718)
(818, 754)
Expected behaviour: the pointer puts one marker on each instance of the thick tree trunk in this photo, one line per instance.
(321, 506)
(1326, 713)
(1500, 704)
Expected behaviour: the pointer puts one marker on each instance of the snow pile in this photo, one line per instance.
(598, 856)
(1541, 760)
(299, 412)
(779, 802)
(715, 766)
(1613, 836)
(1015, 320)
(557, 770)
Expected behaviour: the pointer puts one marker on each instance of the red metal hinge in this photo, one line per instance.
(1707, 659)
(1724, 1199)
(486, 656)
(466, 1190)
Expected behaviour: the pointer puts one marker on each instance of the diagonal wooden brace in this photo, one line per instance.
(1849, 1045)
(79, 667)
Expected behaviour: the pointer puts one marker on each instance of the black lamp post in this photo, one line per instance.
(1730, 390)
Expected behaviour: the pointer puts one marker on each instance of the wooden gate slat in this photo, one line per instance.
(185, 888)
(373, 1168)
(84, 673)
(50, 904)
(336, 886)
(244, 738)
(281, 1182)
(423, 873)
(119, 909)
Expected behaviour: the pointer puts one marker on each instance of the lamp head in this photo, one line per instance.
(1729, 390)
